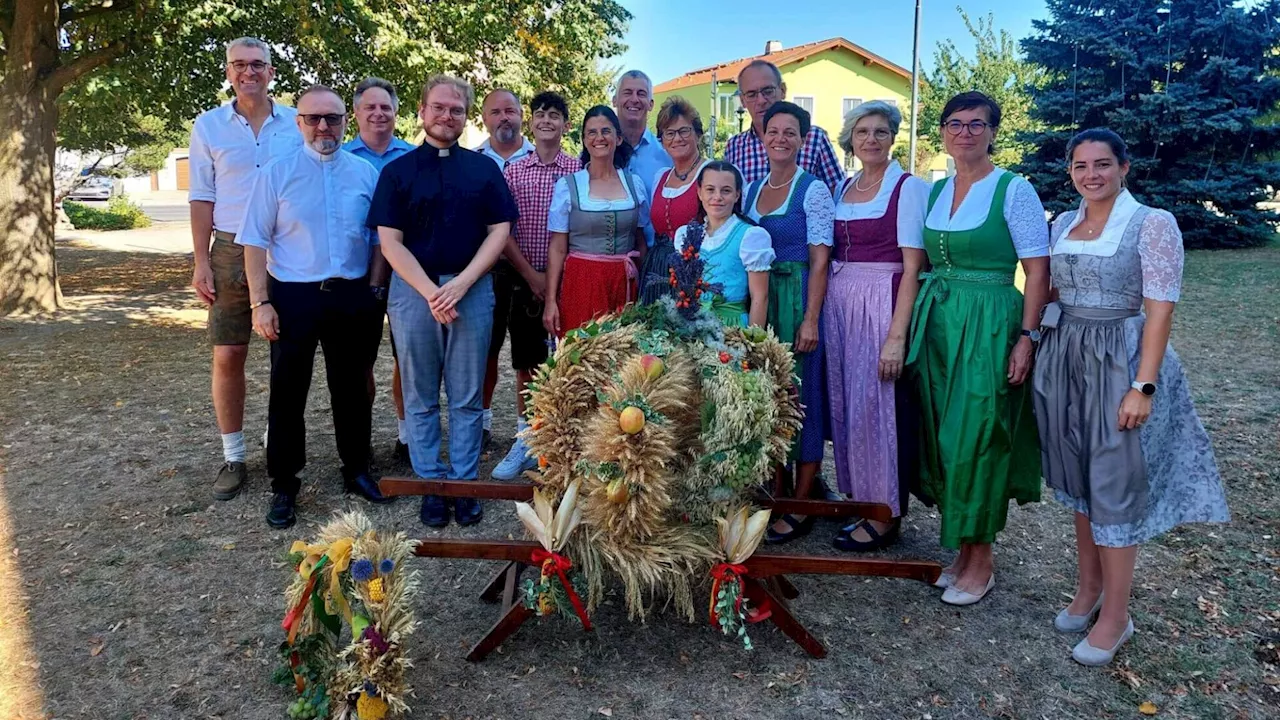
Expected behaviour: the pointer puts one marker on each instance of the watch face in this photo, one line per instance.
(1148, 389)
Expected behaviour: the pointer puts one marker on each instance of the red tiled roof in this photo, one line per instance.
(729, 71)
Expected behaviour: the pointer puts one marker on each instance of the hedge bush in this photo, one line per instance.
(121, 214)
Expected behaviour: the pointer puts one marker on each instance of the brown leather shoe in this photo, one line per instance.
(231, 477)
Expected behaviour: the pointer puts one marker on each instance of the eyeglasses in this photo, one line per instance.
(878, 133)
(331, 119)
(454, 112)
(241, 66)
(976, 127)
(768, 93)
(682, 133)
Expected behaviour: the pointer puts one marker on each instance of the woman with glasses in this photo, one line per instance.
(1121, 443)
(795, 208)
(879, 250)
(675, 197)
(972, 336)
(597, 220)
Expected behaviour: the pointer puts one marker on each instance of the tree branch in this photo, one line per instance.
(68, 13)
(77, 68)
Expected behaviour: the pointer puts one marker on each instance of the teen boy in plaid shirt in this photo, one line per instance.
(520, 282)
(760, 85)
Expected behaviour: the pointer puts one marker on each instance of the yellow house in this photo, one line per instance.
(828, 78)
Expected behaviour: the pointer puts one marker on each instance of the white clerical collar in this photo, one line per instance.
(319, 156)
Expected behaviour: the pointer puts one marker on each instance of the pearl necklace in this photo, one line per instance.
(859, 188)
(769, 180)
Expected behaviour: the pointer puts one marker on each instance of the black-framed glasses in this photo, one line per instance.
(330, 119)
(767, 92)
(255, 65)
(976, 127)
(682, 133)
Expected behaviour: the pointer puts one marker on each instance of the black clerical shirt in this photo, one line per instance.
(443, 200)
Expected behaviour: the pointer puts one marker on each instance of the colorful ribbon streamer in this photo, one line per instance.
(551, 562)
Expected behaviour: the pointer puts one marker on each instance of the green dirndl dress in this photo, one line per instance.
(979, 443)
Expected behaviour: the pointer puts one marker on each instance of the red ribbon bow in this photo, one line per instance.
(722, 573)
(555, 563)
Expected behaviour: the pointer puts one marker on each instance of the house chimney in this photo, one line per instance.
(772, 46)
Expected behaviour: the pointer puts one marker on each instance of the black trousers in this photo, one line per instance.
(344, 319)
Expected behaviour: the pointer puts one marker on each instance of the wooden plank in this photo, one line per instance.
(481, 490)
(492, 592)
(509, 585)
(511, 620)
(788, 590)
(518, 551)
(789, 625)
(827, 508)
(764, 564)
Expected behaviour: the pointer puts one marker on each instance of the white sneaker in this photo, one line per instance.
(1065, 622)
(515, 463)
(956, 596)
(1086, 654)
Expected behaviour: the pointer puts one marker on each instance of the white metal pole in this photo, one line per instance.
(915, 95)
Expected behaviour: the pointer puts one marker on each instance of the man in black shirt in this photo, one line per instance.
(443, 214)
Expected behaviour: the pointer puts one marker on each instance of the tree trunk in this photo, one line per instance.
(28, 124)
(28, 271)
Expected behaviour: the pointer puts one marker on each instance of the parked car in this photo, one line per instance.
(95, 187)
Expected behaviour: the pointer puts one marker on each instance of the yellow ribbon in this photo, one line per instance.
(339, 554)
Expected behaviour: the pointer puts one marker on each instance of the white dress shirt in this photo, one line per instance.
(486, 149)
(1023, 212)
(308, 212)
(913, 201)
(225, 157)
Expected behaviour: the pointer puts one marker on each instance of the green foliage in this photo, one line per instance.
(1189, 91)
(998, 70)
(120, 214)
(926, 150)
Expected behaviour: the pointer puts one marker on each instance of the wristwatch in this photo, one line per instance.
(260, 303)
(1145, 388)
(1033, 334)
(379, 293)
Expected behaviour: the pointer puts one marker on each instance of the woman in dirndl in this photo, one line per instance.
(795, 208)
(1121, 443)
(971, 344)
(675, 195)
(597, 220)
(879, 251)
(736, 253)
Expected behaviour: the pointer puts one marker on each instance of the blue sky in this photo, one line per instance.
(667, 38)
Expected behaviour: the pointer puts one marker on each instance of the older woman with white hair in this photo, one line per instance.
(879, 250)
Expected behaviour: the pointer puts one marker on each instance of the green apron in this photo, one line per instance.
(979, 443)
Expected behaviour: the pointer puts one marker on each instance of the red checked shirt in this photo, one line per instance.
(533, 183)
(746, 151)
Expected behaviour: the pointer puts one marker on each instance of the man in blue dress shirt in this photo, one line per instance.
(315, 277)
(633, 100)
(376, 105)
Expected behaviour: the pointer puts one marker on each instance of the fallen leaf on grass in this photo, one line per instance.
(1129, 677)
(96, 646)
(229, 546)
(1211, 609)
(1148, 708)
(607, 712)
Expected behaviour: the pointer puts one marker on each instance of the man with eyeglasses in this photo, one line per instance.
(760, 86)
(375, 105)
(443, 215)
(229, 144)
(633, 101)
(315, 278)
(520, 282)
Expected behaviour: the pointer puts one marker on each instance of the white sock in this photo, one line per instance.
(488, 419)
(233, 446)
(403, 431)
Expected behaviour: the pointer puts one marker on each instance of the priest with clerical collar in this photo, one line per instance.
(443, 214)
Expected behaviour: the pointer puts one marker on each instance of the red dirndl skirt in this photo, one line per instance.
(594, 286)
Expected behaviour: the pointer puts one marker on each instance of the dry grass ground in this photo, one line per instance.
(127, 592)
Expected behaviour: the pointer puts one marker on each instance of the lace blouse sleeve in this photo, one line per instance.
(1160, 247)
(1024, 214)
(820, 214)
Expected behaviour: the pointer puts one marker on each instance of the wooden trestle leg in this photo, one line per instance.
(781, 616)
(514, 613)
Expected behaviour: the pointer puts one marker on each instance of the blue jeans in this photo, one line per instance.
(456, 352)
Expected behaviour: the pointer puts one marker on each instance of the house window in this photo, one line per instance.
(849, 104)
(728, 106)
(890, 101)
(806, 102)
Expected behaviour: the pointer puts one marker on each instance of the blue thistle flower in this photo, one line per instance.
(362, 570)
(386, 566)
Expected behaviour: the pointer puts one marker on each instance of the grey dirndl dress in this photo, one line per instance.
(1133, 485)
